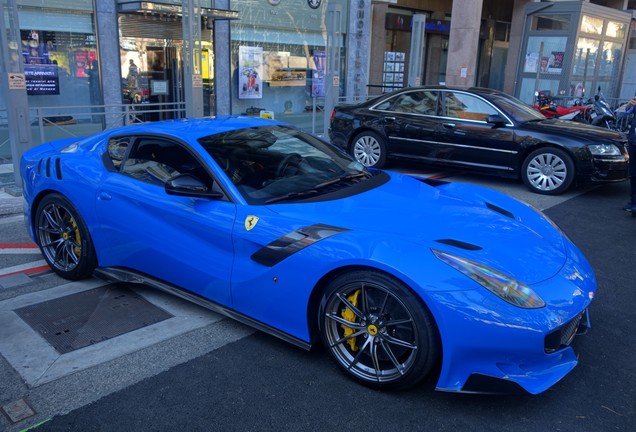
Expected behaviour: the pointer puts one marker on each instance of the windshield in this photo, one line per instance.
(515, 108)
(280, 163)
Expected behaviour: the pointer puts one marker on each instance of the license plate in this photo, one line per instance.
(593, 115)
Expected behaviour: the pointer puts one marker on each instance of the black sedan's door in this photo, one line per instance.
(465, 137)
(410, 123)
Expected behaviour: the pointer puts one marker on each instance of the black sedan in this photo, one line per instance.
(482, 130)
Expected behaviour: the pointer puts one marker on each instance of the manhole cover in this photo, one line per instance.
(86, 318)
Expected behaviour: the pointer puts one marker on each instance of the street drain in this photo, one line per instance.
(86, 318)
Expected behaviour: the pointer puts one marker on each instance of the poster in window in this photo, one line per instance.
(532, 62)
(555, 64)
(318, 74)
(250, 79)
(393, 68)
(42, 79)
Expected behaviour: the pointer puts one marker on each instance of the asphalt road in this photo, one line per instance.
(224, 376)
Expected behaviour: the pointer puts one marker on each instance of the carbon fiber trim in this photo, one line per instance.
(289, 244)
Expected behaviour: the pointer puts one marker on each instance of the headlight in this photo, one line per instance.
(514, 292)
(604, 150)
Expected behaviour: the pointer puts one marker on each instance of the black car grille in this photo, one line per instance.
(563, 336)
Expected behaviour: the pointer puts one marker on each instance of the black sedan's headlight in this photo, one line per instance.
(604, 150)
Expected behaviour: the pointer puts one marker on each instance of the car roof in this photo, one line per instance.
(195, 128)
(478, 90)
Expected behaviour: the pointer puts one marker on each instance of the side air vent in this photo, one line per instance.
(58, 169)
(460, 244)
(500, 210)
(48, 167)
(40, 167)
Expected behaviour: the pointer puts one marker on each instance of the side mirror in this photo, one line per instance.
(496, 120)
(190, 186)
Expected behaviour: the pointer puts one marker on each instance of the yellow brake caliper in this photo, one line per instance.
(78, 239)
(350, 316)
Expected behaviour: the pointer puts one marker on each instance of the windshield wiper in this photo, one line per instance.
(291, 195)
(342, 178)
(315, 189)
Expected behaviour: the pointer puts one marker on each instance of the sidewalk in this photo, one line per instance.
(10, 204)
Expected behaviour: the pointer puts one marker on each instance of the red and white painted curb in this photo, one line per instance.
(33, 267)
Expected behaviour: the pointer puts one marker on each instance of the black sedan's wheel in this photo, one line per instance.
(548, 171)
(377, 330)
(64, 239)
(369, 149)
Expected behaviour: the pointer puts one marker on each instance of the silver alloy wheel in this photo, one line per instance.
(370, 332)
(367, 150)
(546, 171)
(59, 237)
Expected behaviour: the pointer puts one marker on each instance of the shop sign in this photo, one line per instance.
(17, 81)
(42, 79)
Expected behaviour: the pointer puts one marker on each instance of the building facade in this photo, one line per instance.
(94, 64)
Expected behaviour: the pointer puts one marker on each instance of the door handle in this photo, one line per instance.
(389, 119)
(449, 125)
(104, 196)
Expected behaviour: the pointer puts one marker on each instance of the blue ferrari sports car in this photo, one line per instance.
(397, 276)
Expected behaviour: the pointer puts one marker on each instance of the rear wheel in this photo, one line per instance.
(377, 331)
(64, 239)
(369, 149)
(548, 171)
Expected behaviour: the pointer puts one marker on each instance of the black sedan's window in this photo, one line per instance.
(413, 102)
(467, 107)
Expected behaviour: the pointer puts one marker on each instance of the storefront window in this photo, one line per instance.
(615, 30)
(585, 57)
(610, 59)
(592, 25)
(278, 53)
(59, 52)
(551, 22)
(544, 60)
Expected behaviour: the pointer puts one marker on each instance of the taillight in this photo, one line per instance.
(333, 115)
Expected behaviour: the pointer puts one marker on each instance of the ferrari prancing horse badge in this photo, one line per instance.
(250, 222)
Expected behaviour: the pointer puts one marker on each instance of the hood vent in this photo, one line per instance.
(460, 244)
(500, 210)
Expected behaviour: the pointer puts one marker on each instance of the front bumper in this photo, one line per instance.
(492, 347)
(607, 169)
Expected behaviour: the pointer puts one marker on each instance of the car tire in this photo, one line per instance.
(369, 149)
(63, 238)
(548, 171)
(377, 330)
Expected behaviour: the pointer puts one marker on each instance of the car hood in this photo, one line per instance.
(579, 131)
(470, 221)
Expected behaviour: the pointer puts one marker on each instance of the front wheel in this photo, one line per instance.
(64, 239)
(548, 171)
(369, 149)
(377, 331)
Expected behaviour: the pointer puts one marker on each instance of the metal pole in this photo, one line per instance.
(332, 72)
(13, 85)
(192, 78)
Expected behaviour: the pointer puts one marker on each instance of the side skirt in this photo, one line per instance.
(117, 274)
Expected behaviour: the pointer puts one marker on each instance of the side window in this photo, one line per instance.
(117, 150)
(467, 107)
(417, 102)
(156, 161)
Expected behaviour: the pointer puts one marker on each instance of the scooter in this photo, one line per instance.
(601, 115)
